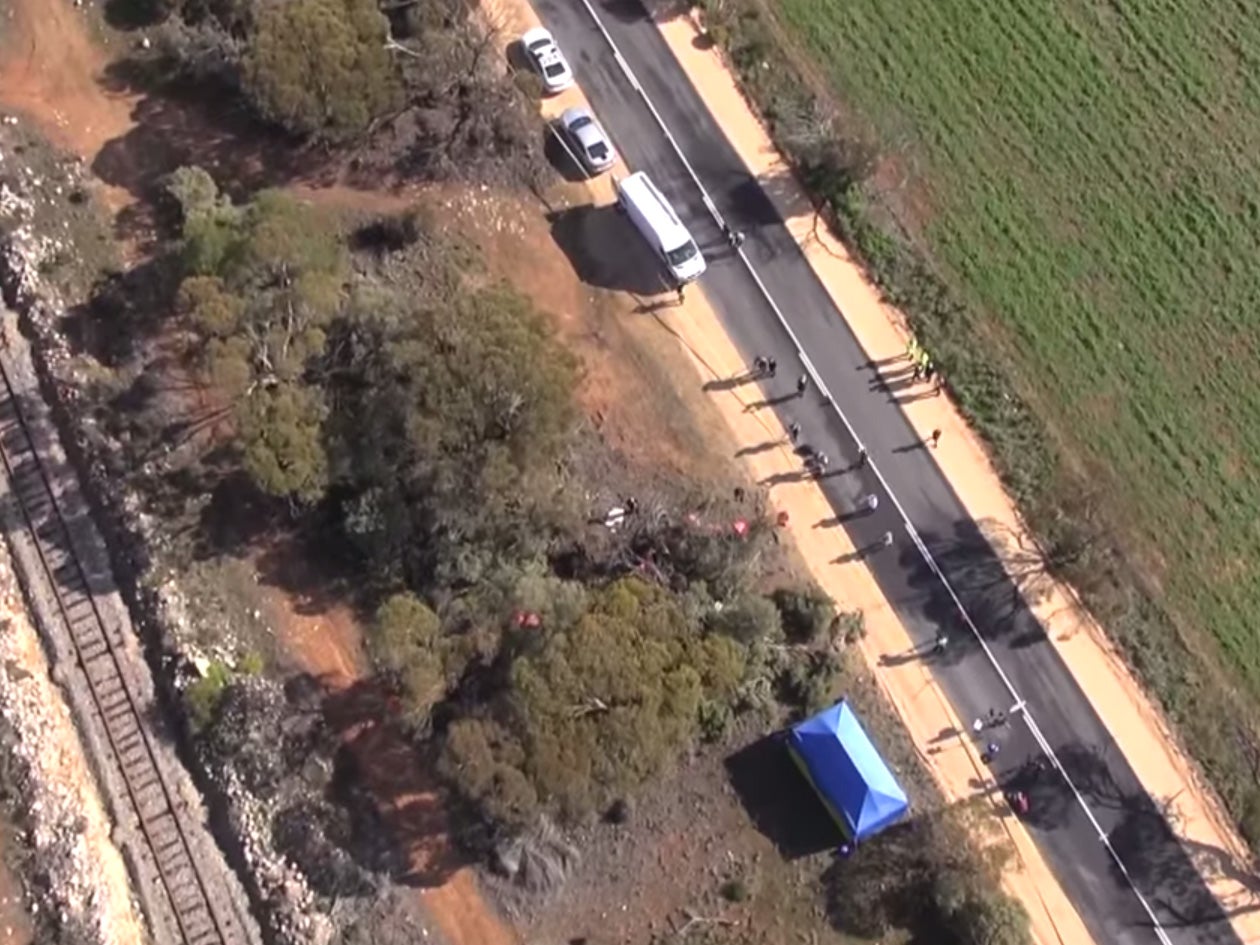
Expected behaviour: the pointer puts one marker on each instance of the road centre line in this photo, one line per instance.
(1029, 719)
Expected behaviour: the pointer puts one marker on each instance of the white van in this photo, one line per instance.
(656, 220)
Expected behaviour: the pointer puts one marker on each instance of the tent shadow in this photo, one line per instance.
(779, 801)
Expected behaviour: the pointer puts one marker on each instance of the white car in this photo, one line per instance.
(547, 60)
(588, 139)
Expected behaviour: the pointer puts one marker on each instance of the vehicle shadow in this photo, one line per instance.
(606, 251)
(517, 58)
(559, 154)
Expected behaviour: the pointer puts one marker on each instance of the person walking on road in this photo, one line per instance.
(794, 431)
(861, 460)
(942, 641)
(772, 366)
(870, 502)
(759, 365)
(802, 383)
(936, 438)
(888, 539)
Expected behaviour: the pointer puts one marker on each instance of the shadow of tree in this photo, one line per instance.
(399, 779)
(179, 123)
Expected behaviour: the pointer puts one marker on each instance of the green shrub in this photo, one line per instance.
(747, 618)
(808, 682)
(806, 614)
(716, 719)
(988, 916)
(851, 627)
(202, 695)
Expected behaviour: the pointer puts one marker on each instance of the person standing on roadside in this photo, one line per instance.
(802, 383)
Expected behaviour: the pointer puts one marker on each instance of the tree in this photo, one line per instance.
(454, 414)
(209, 222)
(483, 761)
(264, 283)
(596, 706)
(405, 641)
(749, 617)
(320, 67)
(280, 429)
(806, 613)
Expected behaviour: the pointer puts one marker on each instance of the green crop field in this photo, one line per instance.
(1086, 178)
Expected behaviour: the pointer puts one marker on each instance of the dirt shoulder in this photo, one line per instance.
(1137, 725)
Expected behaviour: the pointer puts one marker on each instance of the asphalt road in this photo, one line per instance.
(604, 251)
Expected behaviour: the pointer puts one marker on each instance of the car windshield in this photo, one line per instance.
(554, 70)
(578, 123)
(682, 254)
(539, 45)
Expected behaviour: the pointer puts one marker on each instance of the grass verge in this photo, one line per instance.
(1099, 534)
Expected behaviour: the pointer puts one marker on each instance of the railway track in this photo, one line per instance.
(175, 880)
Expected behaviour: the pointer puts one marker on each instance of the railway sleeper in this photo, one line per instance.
(116, 713)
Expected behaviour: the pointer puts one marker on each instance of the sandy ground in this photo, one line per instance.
(1137, 725)
(53, 73)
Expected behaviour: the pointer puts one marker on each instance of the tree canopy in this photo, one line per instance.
(264, 282)
(592, 709)
(321, 67)
(453, 451)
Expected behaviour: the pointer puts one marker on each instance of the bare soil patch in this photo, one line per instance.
(690, 847)
(52, 73)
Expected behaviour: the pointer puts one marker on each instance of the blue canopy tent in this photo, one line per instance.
(845, 769)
